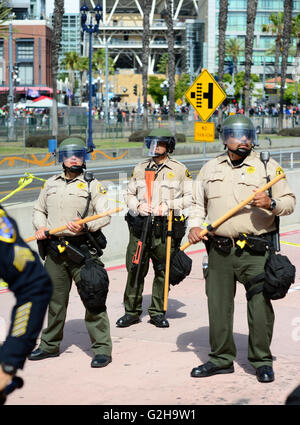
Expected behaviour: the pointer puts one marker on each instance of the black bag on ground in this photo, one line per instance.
(279, 275)
(93, 286)
(180, 267)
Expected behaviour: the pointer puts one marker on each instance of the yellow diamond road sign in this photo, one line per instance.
(205, 95)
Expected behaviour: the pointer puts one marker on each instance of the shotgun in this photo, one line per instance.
(138, 256)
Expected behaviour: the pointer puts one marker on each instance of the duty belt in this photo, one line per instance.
(257, 243)
(75, 240)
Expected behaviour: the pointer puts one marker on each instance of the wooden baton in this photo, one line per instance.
(235, 209)
(82, 221)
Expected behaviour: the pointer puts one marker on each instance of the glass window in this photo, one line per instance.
(274, 5)
(236, 21)
(26, 73)
(1, 49)
(237, 4)
(266, 42)
(25, 49)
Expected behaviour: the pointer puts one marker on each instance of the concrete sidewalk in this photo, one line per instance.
(151, 366)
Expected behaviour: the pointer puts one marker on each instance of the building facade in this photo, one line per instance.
(31, 50)
(263, 58)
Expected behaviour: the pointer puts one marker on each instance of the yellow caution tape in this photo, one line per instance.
(23, 182)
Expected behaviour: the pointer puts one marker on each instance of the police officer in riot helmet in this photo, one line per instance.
(73, 254)
(238, 248)
(172, 190)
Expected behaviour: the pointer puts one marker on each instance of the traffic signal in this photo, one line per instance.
(135, 89)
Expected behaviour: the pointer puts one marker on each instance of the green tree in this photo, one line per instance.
(145, 58)
(98, 62)
(168, 17)
(275, 27)
(289, 94)
(4, 17)
(251, 15)
(287, 30)
(58, 14)
(296, 34)
(223, 12)
(182, 85)
(69, 62)
(82, 67)
(162, 66)
(233, 51)
(239, 82)
(155, 90)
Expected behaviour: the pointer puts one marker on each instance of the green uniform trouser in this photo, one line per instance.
(133, 297)
(62, 272)
(223, 272)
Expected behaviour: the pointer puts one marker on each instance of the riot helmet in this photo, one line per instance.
(235, 127)
(73, 146)
(158, 135)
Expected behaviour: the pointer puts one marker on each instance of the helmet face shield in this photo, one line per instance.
(72, 150)
(150, 145)
(235, 135)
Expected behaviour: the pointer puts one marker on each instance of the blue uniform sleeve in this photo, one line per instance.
(22, 269)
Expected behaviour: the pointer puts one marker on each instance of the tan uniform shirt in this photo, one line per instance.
(220, 186)
(61, 200)
(172, 185)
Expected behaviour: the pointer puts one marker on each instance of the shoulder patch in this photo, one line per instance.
(22, 256)
(7, 231)
(188, 174)
(101, 189)
(279, 171)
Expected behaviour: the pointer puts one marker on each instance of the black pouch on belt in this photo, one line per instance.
(178, 228)
(158, 227)
(135, 224)
(222, 244)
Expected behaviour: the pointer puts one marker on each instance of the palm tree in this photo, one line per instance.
(251, 15)
(276, 28)
(168, 17)
(233, 50)
(223, 12)
(145, 58)
(98, 61)
(4, 17)
(162, 65)
(70, 63)
(83, 67)
(58, 14)
(296, 34)
(287, 30)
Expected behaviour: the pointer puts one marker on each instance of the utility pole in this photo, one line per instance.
(11, 124)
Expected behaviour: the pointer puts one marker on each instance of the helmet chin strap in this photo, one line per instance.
(242, 152)
(75, 168)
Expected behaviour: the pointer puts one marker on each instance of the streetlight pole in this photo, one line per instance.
(90, 29)
(11, 124)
